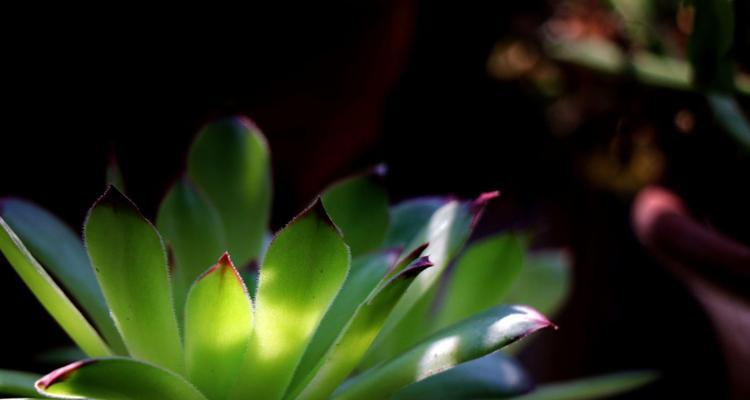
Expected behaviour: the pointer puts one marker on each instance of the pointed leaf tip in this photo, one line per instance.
(318, 210)
(59, 374)
(226, 259)
(416, 267)
(479, 204)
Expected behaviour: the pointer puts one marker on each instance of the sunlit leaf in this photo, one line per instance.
(356, 337)
(192, 228)
(493, 376)
(408, 219)
(366, 273)
(302, 272)
(359, 207)
(50, 295)
(230, 161)
(61, 252)
(218, 322)
(17, 383)
(467, 340)
(446, 232)
(599, 387)
(116, 379)
(128, 257)
(482, 277)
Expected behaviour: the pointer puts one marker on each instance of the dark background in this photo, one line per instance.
(339, 88)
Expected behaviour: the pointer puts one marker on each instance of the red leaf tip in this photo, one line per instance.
(225, 259)
(59, 374)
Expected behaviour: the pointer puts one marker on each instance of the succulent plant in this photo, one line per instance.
(342, 305)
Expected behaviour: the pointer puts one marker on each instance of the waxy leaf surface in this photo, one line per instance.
(230, 162)
(116, 379)
(302, 272)
(130, 263)
(218, 322)
(472, 338)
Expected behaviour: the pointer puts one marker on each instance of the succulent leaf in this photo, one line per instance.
(493, 376)
(50, 295)
(356, 337)
(482, 277)
(116, 378)
(358, 205)
(303, 270)
(230, 162)
(470, 339)
(598, 387)
(17, 383)
(62, 254)
(218, 323)
(129, 260)
(366, 273)
(192, 228)
(408, 219)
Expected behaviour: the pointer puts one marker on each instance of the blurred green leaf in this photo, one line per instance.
(366, 273)
(544, 282)
(359, 207)
(230, 161)
(17, 383)
(482, 277)
(446, 232)
(61, 252)
(61, 355)
(192, 229)
(467, 340)
(357, 335)
(128, 257)
(493, 376)
(116, 379)
(591, 388)
(729, 115)
(710, 45)
(218, 322)
(409, 218)
(304, 269)
(50, 295)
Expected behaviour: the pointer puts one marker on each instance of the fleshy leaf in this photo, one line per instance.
(302, 272)
(192, 228)
(598, 387)
(116, 379)
(230, 161)
(472, 338)
(409, 218)
(359, 207)
(130, 264)
(218, 322)
(366, 273)
(17, 383)
(61, 252)
(493, 376)
(482, 277)
(544, 281)
(50, 295)
(446, 232)
(357, 335)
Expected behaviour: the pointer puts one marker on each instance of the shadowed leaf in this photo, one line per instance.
(359, 207)
(61, 252)
(17, 383)
(591, 388)
(50, 295)
(230, 161)
(408, 219)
